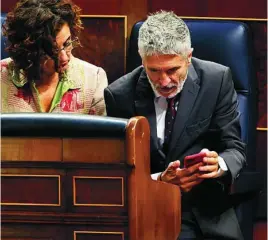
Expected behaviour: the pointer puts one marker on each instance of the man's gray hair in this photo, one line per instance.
(164, 33)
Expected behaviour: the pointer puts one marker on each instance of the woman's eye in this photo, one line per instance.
(67, 44)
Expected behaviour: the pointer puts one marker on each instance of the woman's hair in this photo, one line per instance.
(164, 33)
(31, 30)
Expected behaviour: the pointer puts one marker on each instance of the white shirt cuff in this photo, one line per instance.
(222, 166)
(155, 175)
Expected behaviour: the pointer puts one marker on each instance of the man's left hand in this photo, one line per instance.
(211, 165)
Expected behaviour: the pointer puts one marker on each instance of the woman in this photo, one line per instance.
(41, 74)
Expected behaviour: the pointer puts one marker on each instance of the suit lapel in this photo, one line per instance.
(186, 103)
(144, 103)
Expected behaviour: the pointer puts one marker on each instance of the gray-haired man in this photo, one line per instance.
(191, 106)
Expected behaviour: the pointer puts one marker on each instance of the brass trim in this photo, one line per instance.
(104, 16)
(96, 232)
(125, 32)
(95, 204)
(262, 129)
(225, 18)
(34, 204)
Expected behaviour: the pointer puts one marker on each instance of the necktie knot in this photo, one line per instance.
(171, 106)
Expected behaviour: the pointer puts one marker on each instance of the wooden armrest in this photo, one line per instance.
(154, 206)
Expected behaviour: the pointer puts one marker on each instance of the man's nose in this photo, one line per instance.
(164, 79)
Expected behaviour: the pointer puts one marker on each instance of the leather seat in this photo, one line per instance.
(4, 54)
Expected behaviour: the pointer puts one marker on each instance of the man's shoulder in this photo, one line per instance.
(205, 65)
(129, 80)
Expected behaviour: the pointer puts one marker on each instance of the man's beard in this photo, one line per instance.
(179, 86)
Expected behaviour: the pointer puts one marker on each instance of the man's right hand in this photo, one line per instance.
(185, 178)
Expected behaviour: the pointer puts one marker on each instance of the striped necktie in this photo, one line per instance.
(169, 121)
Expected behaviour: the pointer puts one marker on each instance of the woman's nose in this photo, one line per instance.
(63, 56)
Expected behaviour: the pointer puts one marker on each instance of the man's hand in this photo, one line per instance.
(185, 178)
(211, 165)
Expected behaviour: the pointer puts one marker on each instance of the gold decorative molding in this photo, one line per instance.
(262, 129)
(96, 204)
(34, 204)
(225, 18)
(97, 232)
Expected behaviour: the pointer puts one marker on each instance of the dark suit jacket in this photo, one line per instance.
(207, 117)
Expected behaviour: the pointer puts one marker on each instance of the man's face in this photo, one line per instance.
(63, 40)
(167, 72)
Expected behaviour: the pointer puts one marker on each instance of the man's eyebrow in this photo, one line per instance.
(169, 69)
(174, 68)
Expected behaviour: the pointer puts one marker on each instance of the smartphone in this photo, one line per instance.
(193, 159)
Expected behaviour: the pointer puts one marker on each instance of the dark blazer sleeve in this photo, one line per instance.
(119, 95)
(110, 102)
(226, 121)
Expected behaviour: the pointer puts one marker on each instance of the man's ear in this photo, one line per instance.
(142, 62)
(189, 57)
(141, 57)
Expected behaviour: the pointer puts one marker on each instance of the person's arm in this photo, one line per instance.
(98, 104)
(111, 106)
(226, 127)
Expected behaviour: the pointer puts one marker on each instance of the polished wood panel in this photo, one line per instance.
(31, 190)
(228, 8)
(93, 150)
(212, 8)
(85, 235)
(111, 205)
(97, 189)
(135, 10)
(41, 184)
(24, 231)
(31, 149)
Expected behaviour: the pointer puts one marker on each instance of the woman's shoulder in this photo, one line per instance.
(86, 65)
(6, 63)
(7, 69)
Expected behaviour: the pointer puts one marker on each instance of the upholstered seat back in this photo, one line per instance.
(4, 54)
(62, 125)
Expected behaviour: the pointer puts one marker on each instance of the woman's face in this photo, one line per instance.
(63, 40)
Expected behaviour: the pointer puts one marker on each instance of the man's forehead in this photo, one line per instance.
(164, 59)
(164, 65)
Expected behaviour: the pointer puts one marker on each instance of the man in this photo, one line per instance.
(191, 106)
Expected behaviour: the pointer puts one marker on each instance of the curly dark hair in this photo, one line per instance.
(31, 29)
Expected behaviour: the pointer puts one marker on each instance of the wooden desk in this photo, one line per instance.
(85, 188)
